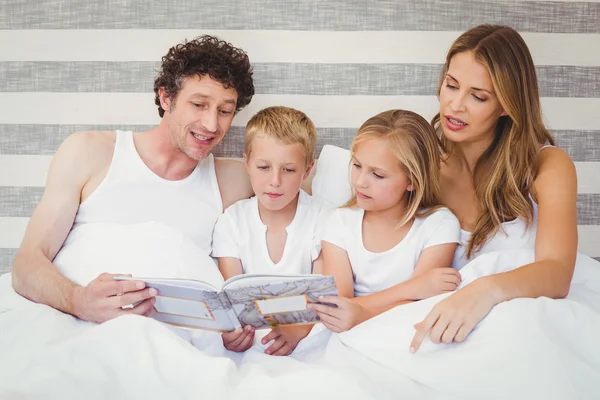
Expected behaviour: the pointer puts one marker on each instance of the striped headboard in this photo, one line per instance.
(69, 65)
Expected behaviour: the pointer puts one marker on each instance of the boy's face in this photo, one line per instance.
(276, 171)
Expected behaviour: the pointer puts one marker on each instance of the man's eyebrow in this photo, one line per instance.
(204, 96)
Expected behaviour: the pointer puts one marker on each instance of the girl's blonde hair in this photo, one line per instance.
(504, 172)
(412, 140)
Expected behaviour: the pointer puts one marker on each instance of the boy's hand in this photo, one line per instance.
(436, 281)
(345, 316)
(286, 339)
(239, 340)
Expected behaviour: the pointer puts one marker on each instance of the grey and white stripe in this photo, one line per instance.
(63, 62)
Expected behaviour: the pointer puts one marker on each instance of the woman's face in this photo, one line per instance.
(469, 108)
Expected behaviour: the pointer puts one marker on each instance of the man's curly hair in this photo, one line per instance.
(205, 55)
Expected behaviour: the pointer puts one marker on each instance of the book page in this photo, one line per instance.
(263, 279)
(281, 302)
(191, 304)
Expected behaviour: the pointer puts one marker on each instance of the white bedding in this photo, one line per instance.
(525, 348)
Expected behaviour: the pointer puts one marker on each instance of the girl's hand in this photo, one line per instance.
(345, 316)
(452, 319)
(436, 281)
(286, 338)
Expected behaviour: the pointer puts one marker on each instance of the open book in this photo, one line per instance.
(262, 301)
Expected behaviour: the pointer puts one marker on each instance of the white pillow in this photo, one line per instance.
(331, 182)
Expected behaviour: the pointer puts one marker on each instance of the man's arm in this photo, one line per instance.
(33, 274)
(234, 183)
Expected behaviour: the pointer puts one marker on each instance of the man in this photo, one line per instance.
(166, 174)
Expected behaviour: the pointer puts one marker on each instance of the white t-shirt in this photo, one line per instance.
(241, 234)
(374, 272)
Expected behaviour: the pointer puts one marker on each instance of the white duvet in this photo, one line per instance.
(524, 349)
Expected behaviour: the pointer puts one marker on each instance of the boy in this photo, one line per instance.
(277, 230)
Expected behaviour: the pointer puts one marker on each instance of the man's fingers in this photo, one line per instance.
(133, 297)
(422, 328)
(144, 308)
(112, 287)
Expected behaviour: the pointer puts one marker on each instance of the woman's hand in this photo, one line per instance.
(345, 316)
(453, 319)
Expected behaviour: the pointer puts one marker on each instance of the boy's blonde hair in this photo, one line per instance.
(285, 124)
(412, 140)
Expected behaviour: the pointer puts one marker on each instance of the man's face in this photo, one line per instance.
(200, 116)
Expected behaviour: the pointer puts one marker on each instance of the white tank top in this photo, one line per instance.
(131, 194)
(513, 235)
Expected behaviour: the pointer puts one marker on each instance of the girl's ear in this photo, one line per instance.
(308, 169)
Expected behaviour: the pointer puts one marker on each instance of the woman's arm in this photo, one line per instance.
(555, 189)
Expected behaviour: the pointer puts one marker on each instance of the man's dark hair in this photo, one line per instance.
(205, 55)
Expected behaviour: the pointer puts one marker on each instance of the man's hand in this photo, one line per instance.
(286, 338)
(239, 340)
(345, 316)
(436, 281)
(104, 298)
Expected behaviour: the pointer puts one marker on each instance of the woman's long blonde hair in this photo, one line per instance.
(504, 172)
(412, 140)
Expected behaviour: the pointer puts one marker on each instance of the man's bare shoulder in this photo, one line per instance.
(233, 180)
(87, 145)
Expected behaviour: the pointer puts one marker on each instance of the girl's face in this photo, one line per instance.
(377, 177)
(469, 108)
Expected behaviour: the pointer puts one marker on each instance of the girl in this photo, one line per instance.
(392, 242)
(509, 189)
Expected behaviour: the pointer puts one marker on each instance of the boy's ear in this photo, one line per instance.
(246, 160)
(308, 169)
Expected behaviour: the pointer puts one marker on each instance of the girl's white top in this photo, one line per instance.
(374, 272)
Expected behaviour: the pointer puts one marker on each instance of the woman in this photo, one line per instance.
(503, 178)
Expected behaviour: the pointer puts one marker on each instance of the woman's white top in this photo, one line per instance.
(374, 272)
(240, 233)
(514, 235)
